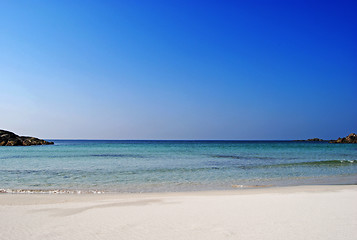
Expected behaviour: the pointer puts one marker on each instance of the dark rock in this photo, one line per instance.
(352, 138)
(315, 140)
(312, 140)
(11, 139)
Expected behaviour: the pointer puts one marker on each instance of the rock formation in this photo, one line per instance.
(352, 138)
(315, 140)
(312, 140)
(11, 139)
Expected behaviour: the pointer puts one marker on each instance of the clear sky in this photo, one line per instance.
(178, 69)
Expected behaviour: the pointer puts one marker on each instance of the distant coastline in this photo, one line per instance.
(351, 138)
(8, 138)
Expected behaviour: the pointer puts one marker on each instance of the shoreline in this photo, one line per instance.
(254, 189)
(235, 188)
(317, 181)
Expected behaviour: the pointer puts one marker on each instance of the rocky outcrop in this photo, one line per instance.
(312, 140)
(11, 139)
(352, 138)
(315, 140)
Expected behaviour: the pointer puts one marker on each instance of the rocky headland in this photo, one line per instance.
(352, 138)
(11, 139)
(312, 140)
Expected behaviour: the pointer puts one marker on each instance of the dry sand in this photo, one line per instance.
(304, 212)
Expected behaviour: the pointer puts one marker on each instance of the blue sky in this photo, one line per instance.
(178, 69)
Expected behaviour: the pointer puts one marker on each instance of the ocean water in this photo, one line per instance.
(154, 166)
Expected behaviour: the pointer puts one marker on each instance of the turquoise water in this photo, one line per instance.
(154, 166)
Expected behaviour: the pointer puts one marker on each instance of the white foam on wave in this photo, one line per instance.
(58, 191)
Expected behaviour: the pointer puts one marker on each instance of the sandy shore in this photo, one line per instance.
(304, 212)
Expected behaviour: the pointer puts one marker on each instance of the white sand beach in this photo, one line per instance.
(303, 212)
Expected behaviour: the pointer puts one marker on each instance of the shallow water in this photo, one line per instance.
(152, 166)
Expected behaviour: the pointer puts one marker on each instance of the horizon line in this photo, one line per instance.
(83, 139)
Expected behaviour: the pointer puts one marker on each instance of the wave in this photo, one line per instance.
(50, 191)
(240, 157)
(249, 157)
(75, 173)
(114, 172)
(117, 155)
(18, 156)
(75, 156)
(252, 166)
(318, 163)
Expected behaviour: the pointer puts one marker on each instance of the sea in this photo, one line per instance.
(118, 166)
